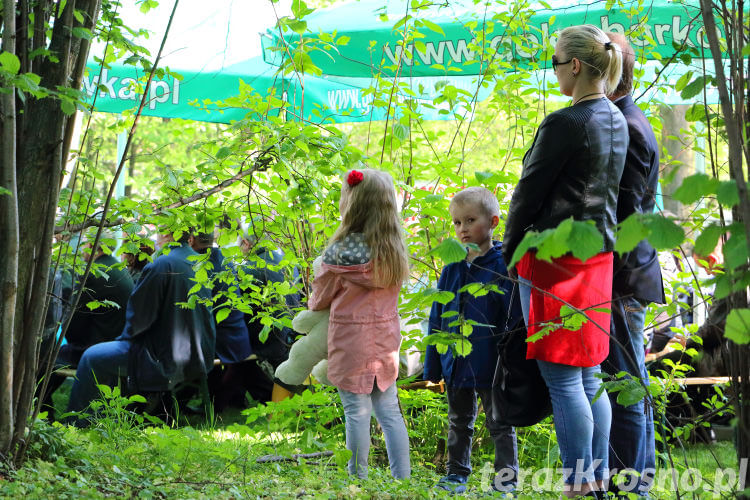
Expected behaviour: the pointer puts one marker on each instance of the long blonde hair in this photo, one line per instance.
(593, 48)
(370, 207)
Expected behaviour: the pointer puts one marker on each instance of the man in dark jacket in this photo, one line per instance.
(232, 338)
(108, 284)
(162, 343)
(636, 282)
(232, 341)
(255, 376)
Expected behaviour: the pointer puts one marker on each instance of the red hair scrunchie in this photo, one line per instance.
(354, 178)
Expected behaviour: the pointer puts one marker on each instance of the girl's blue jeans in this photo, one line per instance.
(358, 409)
(581, 424)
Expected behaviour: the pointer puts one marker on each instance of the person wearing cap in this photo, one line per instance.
(162, 343)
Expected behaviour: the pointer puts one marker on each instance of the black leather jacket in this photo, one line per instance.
(573, 168)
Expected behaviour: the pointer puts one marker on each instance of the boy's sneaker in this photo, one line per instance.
(502, 493)
(455, 483)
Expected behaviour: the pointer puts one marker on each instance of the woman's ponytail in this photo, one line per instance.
(614, 68)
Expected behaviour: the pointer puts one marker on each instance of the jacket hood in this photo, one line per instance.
(494, 253)
(361, 274)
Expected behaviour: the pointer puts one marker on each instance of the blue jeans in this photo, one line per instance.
(358, 409)
(101, 363)
(632, 441)
(462, 412)
(581, 426)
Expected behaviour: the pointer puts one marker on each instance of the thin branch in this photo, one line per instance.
(262, 163)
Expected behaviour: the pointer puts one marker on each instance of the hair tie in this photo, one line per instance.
(354, 178)
(607, 45)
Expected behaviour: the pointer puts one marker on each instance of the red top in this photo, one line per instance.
(582, 285)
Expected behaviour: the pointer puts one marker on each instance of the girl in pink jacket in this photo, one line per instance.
(360, 279)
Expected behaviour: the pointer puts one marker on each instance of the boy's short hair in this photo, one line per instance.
(482, 197)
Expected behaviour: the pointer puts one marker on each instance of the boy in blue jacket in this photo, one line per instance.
(475, 213)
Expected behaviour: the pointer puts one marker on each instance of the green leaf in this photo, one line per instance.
(81, 32)
(105, 390)
(222, 314)
(706, 242)
(571, 319)
(585, 240)
(68, 107)
(223, 152)
(263, 335)
(695, 187)
(443, 296)
(629, 233)
(463, 347)
(695, 87)
(631, 393)
(682, 81)
(4, 191)
(727, 193)
(483, 177)
(10, 62)
(664, 233)
(136, 398)
(735, 249)
(738, 326)
(543, 332)
(401, 132)
(555, 243)
(433, 26)
(449, 251)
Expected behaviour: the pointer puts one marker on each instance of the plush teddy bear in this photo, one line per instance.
(308, 354)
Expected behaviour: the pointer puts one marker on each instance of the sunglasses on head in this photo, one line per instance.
(556, 63)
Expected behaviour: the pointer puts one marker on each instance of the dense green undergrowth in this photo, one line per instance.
(123, 455)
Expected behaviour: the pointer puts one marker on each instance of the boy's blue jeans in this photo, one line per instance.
(582, 427)
(358, 409)
(462, 412)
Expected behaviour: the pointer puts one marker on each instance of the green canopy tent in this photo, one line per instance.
(373, 32)
(442, 56)
(442, 51)
(213, 96)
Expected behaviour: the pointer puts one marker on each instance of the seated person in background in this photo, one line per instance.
(162, 343)
(89, 326)
(232, 339)
(136, 262)
(250, 375)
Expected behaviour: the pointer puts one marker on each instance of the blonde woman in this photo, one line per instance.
(573, 169)
(360, 280)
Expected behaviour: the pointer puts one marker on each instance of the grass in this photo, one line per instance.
(120, 457)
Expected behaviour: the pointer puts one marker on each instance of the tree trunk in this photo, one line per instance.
(735, 123)
(8, 242)
(39, 148)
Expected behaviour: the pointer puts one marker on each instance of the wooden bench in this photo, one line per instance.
(670, 347)
(697, 380)
(71, 372)
(425, 384)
